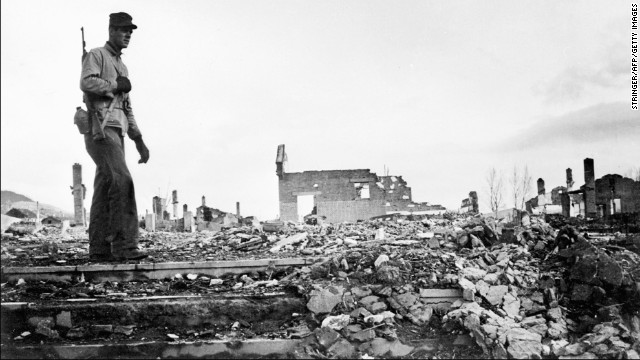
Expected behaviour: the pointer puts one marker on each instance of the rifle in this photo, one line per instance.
(84, 45)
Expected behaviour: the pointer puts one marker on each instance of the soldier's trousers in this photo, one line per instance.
(113, 221)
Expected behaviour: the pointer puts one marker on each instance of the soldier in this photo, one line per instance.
(113, 227)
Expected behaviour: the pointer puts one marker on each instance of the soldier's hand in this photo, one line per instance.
(142, 150)
(124, 85)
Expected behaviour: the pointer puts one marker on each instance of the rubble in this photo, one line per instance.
(524, 292)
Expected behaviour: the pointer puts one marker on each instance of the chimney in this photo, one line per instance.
(78, 195)
(281, 157)
(474, 201)
(238, 209)
(158, 207)
(184, 208)
(589, 188)
(541, 187)
(569, 179)
(174, 197)
(204, 202)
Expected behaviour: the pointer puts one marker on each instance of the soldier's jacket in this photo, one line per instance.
(100, 68)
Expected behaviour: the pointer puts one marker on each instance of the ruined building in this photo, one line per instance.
(611, 194)
(344, 195)
(470, 204)
(208, 218)
(160, 209)
(546, 202)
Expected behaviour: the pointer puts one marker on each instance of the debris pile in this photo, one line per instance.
(379, 287)
(519, 307)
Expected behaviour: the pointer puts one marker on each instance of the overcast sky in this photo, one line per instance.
(437, 91)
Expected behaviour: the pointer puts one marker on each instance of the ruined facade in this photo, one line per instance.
(470, 204)
(546, 202)
(609, 195)
(615, 194)
(208, 218)
(344, 195)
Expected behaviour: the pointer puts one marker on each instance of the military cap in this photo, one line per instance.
(121, 19)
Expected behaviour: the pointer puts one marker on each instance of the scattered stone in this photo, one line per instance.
(492, 279)
(557, 330)
(554, 314)
(473, 274)
(381, 348)
(523, 344)
(378, 307)
(124, 329)
(496, 293)
(215, 282)
(76, 333)
(367, 301)
(336, 322)
(511, 305)
(420, 315)
(360, 292)
(378, 318)
(360, 312)
(45, 328)
(35, 320)
(363, 335)
(326, 336)
(388, 274)
(575, 349)
(381, 260)
(63, 320)
(609, 272)
(406, 300)
(341, 349)
(581, 292)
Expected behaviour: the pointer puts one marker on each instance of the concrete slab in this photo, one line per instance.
(440, 293)
(148, 271)
(252, 348)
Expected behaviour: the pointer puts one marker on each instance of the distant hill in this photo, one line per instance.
(13, 200)
(7, 198)
(45, 209)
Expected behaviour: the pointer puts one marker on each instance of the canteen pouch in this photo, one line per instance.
(81, 119)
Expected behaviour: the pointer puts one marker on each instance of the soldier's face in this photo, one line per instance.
(120, 37)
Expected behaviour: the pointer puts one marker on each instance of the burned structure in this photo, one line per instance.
(607, 196)
(208, 218)
(546, 202)
(470, 204)
(344, 195)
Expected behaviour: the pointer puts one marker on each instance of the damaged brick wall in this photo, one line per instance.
(626, 190)
(335, 194)
(344, 195)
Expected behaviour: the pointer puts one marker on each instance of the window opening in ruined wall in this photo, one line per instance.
(615, 206)
(306, 204)
(362, 190)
